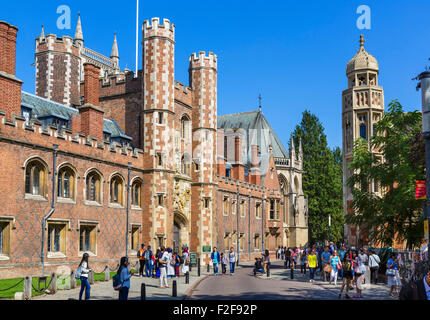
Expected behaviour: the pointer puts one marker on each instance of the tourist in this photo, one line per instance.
(224, 261)
(320, 250)
(85, 270)
(171, 264)
(336, 265)
(153, 263)
(163, 260)
(293, 258)
(312, 264)
(416, 290)
(158, 255)
(288, 258)
(282, 253)
(186, 259)
(215, 257)
(303, 263)
(232, 258)
(124, 278)
(347, 275)
(325, 263)
(364, 262)
(177, 263)
(374, 262)
(266, 261)
(393, 275)
(258, 266)
(342, 253)
(278, 252)
(359, 271)
(140, 256)
(147, 255)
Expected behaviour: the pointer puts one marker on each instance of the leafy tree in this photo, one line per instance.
(392, 214)
(322, 181)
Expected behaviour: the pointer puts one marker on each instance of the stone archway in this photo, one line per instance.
(181, 235)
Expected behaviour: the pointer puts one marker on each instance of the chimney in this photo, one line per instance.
(91, 116)
(254, 175)
(10, 86)
(238, 171)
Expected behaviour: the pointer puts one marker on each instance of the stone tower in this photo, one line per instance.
(158, 123)
(362, 107)
(203, 81)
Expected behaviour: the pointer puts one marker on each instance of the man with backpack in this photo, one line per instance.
(147, 255)
(374, 266)
(141, 258)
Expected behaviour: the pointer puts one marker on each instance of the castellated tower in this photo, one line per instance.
(158, 124)
(203, 81)
(362, 107)
(58, 66)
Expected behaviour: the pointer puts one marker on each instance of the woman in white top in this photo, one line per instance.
(186, 264)
(170, 267)
(85, 270)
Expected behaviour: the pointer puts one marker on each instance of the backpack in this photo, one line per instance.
(173, 262)
(78, 273)
(146, 255)
(116, 282)
(181, 260)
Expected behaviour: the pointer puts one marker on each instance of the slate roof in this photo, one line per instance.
(42, 107)
(255, 120)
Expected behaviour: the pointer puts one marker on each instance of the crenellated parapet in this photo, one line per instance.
(34, 135)
(202, 60)
(157, 30)
(51, 42)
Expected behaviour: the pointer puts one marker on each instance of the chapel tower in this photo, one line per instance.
(362, 107)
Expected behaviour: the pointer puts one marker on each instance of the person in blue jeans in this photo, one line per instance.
(342, 253)
(148, 259)
(215, 257)
(124, 278)
(85, 270)
(232, 258)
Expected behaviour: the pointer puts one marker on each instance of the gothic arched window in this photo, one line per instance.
(66, 183)
(363, 131)
(36, 178)
(93, 185)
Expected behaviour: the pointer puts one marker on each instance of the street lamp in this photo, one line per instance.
(329, 227)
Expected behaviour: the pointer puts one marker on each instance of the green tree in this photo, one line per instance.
(394, 210)
(322, 181)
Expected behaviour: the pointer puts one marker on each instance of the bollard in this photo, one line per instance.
(268, 270)
(142, 292)
(191, 269)
(292, 273)
(255, 272)
(198, 267)
(72, 280)
(208, 267)
(27, 288)
(187, 278)
(107, 274)
(174, 289)
(53, 287)
(91, 277)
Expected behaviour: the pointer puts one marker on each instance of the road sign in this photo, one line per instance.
(420, 189)
(206, 248)
(193, 258)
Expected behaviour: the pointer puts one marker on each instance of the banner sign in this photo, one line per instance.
(420, 189)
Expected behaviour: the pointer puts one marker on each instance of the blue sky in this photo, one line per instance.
(292, 52)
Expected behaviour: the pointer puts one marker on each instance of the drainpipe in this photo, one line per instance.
(237, 229)
(262, 222)
(249, 225)
(51, 211)
(127, 209)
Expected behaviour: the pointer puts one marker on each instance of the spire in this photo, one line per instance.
(362, 41)
(42, 35)
(114, 52)
(259, 102)
(78, 34)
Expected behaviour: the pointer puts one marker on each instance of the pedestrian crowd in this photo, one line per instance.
(338, 262)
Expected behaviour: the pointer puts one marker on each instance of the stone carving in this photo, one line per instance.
(182, 198)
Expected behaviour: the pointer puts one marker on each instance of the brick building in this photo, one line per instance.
(110, 160)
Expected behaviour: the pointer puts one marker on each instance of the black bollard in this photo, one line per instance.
(268, 270)
(174, 290)
(187, 278)
(255, 272)
(142, 292)
(198, 267)
(191, 269)
(292, 273)
(208, 267)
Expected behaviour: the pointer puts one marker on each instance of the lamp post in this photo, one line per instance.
(329, 227)
(425, 94)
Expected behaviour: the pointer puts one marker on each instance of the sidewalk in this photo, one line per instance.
(103, 290)
(278, 272)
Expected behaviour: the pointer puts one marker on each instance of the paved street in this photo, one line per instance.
(243, 285)
(104, 291)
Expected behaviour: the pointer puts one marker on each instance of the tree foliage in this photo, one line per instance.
(322, 179)
(393, 213)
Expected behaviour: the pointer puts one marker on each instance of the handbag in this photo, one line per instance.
(327, 268)
(390, 272)
(78, 273)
